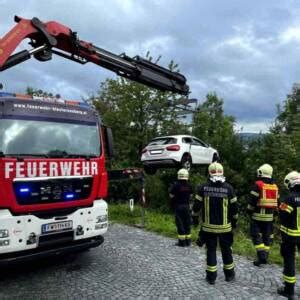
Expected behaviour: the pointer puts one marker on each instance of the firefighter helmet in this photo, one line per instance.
(215, 169)
(183, 174)
(292, 179)
(265, 171)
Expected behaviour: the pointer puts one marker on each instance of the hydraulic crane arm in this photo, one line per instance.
(52, 37)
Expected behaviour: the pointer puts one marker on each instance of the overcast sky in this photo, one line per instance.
(248, 52)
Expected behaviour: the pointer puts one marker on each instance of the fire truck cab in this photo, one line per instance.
(52, 177)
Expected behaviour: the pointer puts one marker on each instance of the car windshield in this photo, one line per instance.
(163, 141)
(53, 139)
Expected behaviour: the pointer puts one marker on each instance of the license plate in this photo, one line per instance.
(58, 226)
(156, 151)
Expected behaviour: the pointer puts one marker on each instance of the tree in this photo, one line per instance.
(136, 113)
(212, 126)
(288, 122)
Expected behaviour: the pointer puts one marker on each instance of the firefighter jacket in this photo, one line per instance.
(289, 213)
(180, 192)
(218, 205)
(263, 200)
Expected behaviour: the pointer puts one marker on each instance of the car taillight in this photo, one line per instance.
(173, 148)
(144, 150)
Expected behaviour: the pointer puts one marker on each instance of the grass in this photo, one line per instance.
(164, 224)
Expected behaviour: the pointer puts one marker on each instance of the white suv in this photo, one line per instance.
(177, 150)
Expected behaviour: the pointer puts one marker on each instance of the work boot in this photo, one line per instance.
(261, 258)
(266, 257)
(210, 281)
(229, 275)
(211, 277)
(286, 292)
(180, 243)
(259, 262)
(188, 242)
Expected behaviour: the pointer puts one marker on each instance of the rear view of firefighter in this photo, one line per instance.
(180, 194)
(263, 202)
(289, 213)
(218, 205)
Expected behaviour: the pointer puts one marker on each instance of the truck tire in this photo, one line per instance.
(186, 162)
(149, 170)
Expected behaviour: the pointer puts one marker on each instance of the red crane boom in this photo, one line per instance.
(51, 38)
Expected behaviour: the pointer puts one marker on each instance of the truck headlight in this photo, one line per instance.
(4, 243)
(4, 233)
(100, 226)
(101, 219)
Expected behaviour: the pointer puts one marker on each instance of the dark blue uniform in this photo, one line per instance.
(289, 213)
(218, 204)
(180, 193)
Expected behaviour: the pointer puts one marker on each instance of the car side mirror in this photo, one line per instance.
(108, 141)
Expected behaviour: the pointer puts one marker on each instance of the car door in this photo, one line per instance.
(187, 143)
(199, 150)
(207, 152)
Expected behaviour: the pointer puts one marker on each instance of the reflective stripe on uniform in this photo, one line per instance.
(289, 279)
(229, 266)
(216, 229)
(197, 197)
(260, 247)
(181, 237)
(254, 193)
(286, 208)
(206, 212)
(267, 248)
(217, 226)
(225, 211)
(233, 200)
(262, 217)
(188, 236)
(211, 268)
(291, 232)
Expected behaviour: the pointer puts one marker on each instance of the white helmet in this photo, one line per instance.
(216, 172)
(292, 179)
(183, 174)
(265, 171)
(215, 169)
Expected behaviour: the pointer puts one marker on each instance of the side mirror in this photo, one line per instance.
(108, 141)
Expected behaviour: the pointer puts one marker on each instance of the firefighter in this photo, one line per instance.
(180, 194)
(263, 203)
(290, 232)
(217, 203)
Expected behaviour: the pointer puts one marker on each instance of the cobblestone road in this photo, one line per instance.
(133, 263)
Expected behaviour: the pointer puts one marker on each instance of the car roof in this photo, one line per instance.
(174, 136)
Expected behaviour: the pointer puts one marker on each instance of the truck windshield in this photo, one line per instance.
(53, 139)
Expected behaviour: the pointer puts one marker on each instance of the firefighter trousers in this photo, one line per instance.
(262, 236)
(225, 241)
(288, 250)
(183, 224)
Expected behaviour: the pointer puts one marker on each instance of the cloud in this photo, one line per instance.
(248, 54)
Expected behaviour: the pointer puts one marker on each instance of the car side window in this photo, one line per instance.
(187, 140)
(198, 143)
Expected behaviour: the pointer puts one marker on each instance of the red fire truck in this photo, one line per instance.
(53, 179)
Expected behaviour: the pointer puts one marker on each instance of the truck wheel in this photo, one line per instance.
(215, 157)
(186, 162)
(149, 170)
